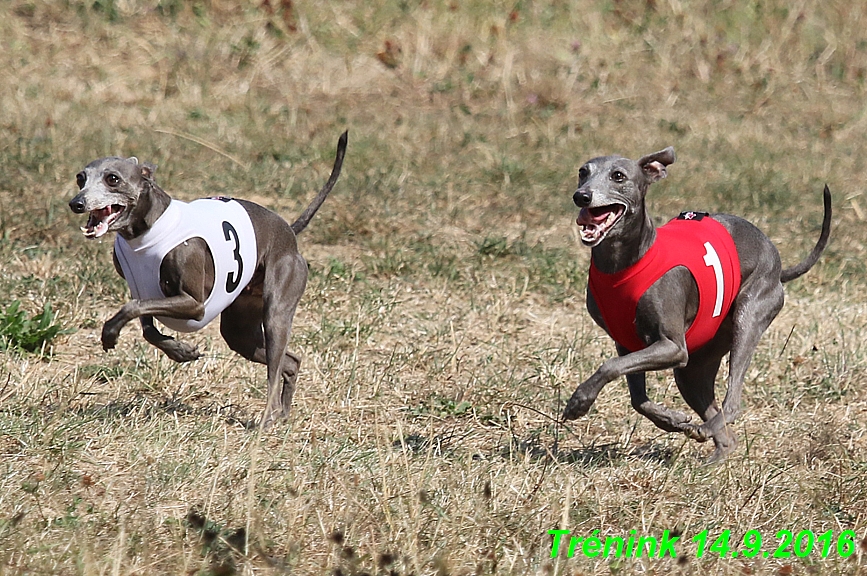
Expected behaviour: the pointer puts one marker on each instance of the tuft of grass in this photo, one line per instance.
(34, 334)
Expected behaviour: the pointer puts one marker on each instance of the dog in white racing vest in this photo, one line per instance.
(188, 263)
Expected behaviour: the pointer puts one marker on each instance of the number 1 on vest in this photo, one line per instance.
(711, 258)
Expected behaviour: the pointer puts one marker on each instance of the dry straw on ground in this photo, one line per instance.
(443, 325)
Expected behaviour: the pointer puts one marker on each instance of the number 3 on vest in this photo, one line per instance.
(711, 258)
(233, 278)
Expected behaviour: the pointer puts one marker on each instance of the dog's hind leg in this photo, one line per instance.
(755, 309)
(696, 384)
(252, 329)
(284, 285)
(756, 306)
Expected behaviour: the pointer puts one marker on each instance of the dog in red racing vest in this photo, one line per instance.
(693, 240)
(681, 296)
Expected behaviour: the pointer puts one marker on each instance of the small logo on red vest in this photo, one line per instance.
(692, 215)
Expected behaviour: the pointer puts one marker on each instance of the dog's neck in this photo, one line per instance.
(634, 238)
(149, 206)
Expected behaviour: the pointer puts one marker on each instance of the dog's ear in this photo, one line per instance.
(653, 165)
(147, 170)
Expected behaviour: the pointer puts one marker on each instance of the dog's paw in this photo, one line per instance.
(714, 428)
(696, 432)
(272, 416)
(578, 406)
(181, 351)
(267, 422)
(109, 337)
(724, 447)
(679, 420)
(674, 421)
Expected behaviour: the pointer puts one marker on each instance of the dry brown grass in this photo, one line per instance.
(444, 324)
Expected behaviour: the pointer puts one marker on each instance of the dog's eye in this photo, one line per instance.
(112, 180)
(618, 176)
(81, 180)
(583, 172)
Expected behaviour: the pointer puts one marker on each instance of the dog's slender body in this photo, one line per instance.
(121, 195)
(616, 226)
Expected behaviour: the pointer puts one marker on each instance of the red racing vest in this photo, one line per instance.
(693, 240)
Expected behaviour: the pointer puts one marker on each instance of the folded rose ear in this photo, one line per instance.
(147, 170)
(653, 165)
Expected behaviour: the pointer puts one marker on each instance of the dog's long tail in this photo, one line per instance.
(302, 221)
(807, 263)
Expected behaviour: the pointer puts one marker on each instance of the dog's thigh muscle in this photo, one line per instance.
(241, 327)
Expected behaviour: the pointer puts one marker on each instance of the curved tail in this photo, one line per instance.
(305, 217)
(802, 267)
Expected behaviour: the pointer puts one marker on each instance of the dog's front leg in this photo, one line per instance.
(664, 418)
(182, 306)
(174, 349)
(660, 355)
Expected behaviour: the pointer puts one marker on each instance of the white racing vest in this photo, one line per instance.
(226, 228)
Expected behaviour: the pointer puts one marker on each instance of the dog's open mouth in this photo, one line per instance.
(100, 219)
(596, 222)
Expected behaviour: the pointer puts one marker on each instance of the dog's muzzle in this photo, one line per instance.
(596, 222)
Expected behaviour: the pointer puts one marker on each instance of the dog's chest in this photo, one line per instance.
(225, 227)
(705, 248)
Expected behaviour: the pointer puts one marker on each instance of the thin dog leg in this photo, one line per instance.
(664, 418)
(747, 329)
(174, 349)
(242, 329)
(696, 384)
(284, 285)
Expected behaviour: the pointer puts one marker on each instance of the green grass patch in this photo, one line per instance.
(29, 333)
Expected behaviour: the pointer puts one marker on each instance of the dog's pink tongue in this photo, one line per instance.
(96, 225)
(586, 218)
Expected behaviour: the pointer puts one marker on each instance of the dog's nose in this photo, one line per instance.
(582, 198)
(77, 205)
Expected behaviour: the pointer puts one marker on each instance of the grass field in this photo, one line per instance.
(443, 326)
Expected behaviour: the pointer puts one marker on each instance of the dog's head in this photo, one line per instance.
(109, 189)
(610, 187)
